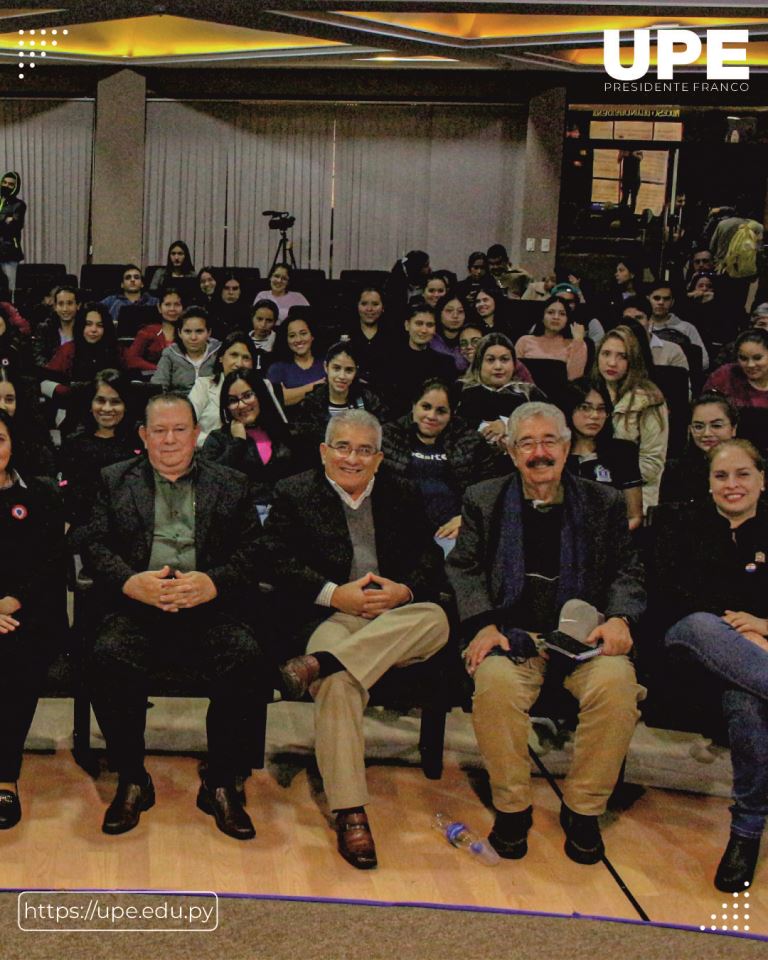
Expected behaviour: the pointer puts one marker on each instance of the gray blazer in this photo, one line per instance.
(613, 578)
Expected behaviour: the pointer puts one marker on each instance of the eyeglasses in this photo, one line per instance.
(344, 450)
(470, 343)
(528, 445)
(697, 427)
(243, 398)
(592, 408)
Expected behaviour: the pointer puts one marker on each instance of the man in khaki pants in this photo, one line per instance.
(357, 571)
(529, 543)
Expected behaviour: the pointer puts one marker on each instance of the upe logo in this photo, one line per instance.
(688, 51)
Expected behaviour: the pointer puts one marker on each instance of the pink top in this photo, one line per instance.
(263, 443)
(572, 352)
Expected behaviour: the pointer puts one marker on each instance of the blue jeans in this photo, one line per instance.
(743, 667)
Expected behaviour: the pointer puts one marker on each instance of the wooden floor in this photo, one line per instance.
(665, 848)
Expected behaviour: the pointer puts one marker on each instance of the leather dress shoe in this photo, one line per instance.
(223, 804)
(736, 869)
(355, 840)
(298, 675)
(10, 809)
(130, 801)
(509, 836)
(583, 842)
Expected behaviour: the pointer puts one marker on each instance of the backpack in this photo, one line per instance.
(741, 257)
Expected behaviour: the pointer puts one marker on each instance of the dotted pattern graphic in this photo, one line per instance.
(33, 44)
(739, 916)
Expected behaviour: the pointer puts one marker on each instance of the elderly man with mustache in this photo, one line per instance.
(540, 549)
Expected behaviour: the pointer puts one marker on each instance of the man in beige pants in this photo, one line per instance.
(529, 543)
(354, 560)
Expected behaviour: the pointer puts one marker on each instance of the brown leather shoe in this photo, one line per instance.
(223, 803)
(298, 675)
(130, 801)
(356, 840)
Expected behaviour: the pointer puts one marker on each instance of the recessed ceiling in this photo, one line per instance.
(458, 36)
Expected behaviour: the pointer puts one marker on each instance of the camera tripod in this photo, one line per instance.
(284, 252)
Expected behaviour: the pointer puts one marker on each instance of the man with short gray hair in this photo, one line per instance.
(357, 573)
(539, 550)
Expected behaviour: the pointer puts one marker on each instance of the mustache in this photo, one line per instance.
(540, 462)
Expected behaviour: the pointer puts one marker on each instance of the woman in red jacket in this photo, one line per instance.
(144, 353)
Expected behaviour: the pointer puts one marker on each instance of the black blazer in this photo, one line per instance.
(614, 577)
(118, 537)
(307, 544)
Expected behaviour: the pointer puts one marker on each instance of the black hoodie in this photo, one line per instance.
(12, 213)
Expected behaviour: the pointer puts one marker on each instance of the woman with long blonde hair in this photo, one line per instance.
(639, 411)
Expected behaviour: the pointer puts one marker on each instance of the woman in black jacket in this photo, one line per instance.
(254, 437)
(713, 586)
(32, 606)
(442, 455)
(342, 390)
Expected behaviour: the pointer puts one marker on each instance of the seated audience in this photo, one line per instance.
(664, 353)
(413, 362)
(441, 454)
(540, 289)
(713, 587)
(131, 292)
(230, 311)
(541, 549)
(490, 307)
(34, 454)
(191, 356)
(595, 453)
(714, 419)
(178, 265)
(107, 436)
(555, 338)
(353, 559)
(493, 387)
(235, 353)
(58, 327)
(745, 382)
(16, 320)
(264, 314)
(758, 320)
(280, 293)
(294, 367)
(173, 553)
(639, 410)
(668, 326)
(341, 390)
(93, 348)
(32, 605)
(435, 289)
(451, 313)
(371, 336)
(470, 336)
(207, 283)
(253, 437)
(144, 353)
(15, 348)
(477, 277)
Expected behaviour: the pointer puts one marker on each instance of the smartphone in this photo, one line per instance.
(573, 649)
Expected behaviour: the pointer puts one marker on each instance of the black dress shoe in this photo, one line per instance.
(509, 836)
(131, 800)
(583, 842)
(736, 869)
(223, 803)
(10, 809)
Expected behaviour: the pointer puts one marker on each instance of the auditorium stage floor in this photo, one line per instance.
(664, 849)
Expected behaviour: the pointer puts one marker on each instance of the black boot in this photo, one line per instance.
(736, 869)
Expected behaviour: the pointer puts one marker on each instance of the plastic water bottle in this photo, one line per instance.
(458, 834)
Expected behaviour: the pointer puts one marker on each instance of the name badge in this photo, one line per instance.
(602, 474)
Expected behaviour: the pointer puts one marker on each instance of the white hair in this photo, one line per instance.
(537, 409)
(353, 418)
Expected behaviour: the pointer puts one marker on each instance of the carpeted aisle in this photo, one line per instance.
(274, 929)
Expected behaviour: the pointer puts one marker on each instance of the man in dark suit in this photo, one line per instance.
(352, 554)
(529, 543)
(171, 546)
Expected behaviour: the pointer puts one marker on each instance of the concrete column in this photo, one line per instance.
(543, 170)
(117, 193)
